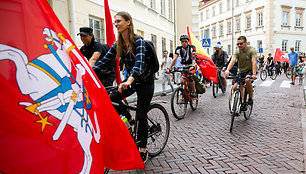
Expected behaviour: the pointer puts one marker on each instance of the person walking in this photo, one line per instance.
(177, 75)
(94, 51)
(131, 48)
(166, 76)
(294, 61)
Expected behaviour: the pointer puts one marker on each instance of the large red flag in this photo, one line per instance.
(280, 56)
(55, 115)
(207, 66)
(110, 37)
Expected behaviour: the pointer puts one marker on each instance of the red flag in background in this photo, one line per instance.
(207, 66)
(110, 37)
(280, 56)
(55, 115)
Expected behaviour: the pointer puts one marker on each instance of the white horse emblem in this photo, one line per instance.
(49, 82)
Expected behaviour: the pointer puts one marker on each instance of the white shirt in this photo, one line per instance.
(167, 63)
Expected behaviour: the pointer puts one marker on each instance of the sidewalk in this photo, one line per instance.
(157, 90)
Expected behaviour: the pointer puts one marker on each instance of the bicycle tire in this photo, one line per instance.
(263, 75)
(159, 129)
(273, 75)
(179, 103)
(215, 89)
(288, 74)
(230, 99)
(194, 102)
(234, 110)
(106, 170)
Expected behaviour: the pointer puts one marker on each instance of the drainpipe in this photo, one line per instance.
(72, 20)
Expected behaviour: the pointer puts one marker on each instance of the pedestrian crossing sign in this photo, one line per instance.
(206, 43)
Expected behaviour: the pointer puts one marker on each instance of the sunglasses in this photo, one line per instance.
(239, 44)
(118, 21)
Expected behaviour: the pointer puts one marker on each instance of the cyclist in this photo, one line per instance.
(247, 65)
(130, 48)
(269, 64)
(186, 52)
(220, 59)
(261, 61)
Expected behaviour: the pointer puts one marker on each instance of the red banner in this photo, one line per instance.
(280, 56)
(55, 115)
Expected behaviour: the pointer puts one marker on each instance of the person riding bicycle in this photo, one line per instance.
(220, 59)
(247, 65)
(261, 61)
(186, 52)
(270, 64)
(130, 48)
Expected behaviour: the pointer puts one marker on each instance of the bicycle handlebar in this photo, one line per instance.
(180, 69)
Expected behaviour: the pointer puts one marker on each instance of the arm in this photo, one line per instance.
(111, 54)
(161, 66)
(92, 61)
(230, 66)
(175, 56)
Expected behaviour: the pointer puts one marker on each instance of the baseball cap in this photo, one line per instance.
(218, 46)
(269, 54)
(85, 31)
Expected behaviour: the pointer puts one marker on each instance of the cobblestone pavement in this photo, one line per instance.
(271, 141)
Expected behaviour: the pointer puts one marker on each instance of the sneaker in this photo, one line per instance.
(250, 101)
(292, 83)
(144, 156)
(163, 94)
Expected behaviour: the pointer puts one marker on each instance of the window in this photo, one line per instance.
(163, 43)
(207, 14)
(162, 7)
(98, 29)
(228, 4)
(153, 39)
(140, 33)
(171, 46)
(213, 30)
(298, 20)
(221, 30)
(237, 3)
(297, 45)
(284, 45)
(152, 4)
(206, 34)
(201, 16)
(237, 25)
(285, 18)
(213, 11)
(220, 8)
(248, 22)
(170, 9)
(229, 27)
(229, 49)
(260, 19)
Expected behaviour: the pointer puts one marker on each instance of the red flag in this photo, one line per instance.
(55, 115)
(207, 66)
(280, 56)
(110, 37)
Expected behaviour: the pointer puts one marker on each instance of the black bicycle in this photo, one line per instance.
(158, 125)
(267, 71)
(218, 85)
(237, 104)
(181, 96)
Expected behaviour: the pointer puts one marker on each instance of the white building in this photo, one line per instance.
(266, 24)
(153, 19)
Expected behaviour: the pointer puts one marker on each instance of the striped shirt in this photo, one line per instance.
(135, 66)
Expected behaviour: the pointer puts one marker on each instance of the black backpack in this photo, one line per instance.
(152, 57)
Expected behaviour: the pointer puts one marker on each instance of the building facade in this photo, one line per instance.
(266, 24)
(153, 19)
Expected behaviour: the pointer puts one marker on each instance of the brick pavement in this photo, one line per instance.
(270, 142)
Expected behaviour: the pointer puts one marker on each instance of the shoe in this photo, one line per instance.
(144, 156)
(224, 89)
(292, 83)
(250, 101)
(132, 122)
(163, 94)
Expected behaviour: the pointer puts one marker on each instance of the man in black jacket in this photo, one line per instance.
(94, 51)
(220, 60)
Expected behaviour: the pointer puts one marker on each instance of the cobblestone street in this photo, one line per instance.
(270, 142)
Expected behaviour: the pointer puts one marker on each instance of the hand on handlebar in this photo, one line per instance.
(227, 72)
(124, 86)
(254, 77)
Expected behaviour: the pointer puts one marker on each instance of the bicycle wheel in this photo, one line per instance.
(178, 103)
(235, 105)
(263, 75)
(194, 102)
(159, 129)
(230, 99)
(106, 170)
(215, 89)
(288, 74)
(273, 75)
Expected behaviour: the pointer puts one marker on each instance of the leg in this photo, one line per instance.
(249, 88)
(164, 78)
(169, 81)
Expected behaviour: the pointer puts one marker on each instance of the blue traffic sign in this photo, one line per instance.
(260, 50)
(206, 43)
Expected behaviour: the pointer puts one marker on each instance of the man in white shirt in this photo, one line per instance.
(166, 61)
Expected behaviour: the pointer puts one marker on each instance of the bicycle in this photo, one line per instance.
(158, 125)
(237, 104)
(265, 71)
(218, 85)
(181, 95)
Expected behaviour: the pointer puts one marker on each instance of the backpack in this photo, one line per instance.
(152, 57)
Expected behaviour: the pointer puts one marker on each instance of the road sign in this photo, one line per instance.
(260, 50)
(206, 43)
